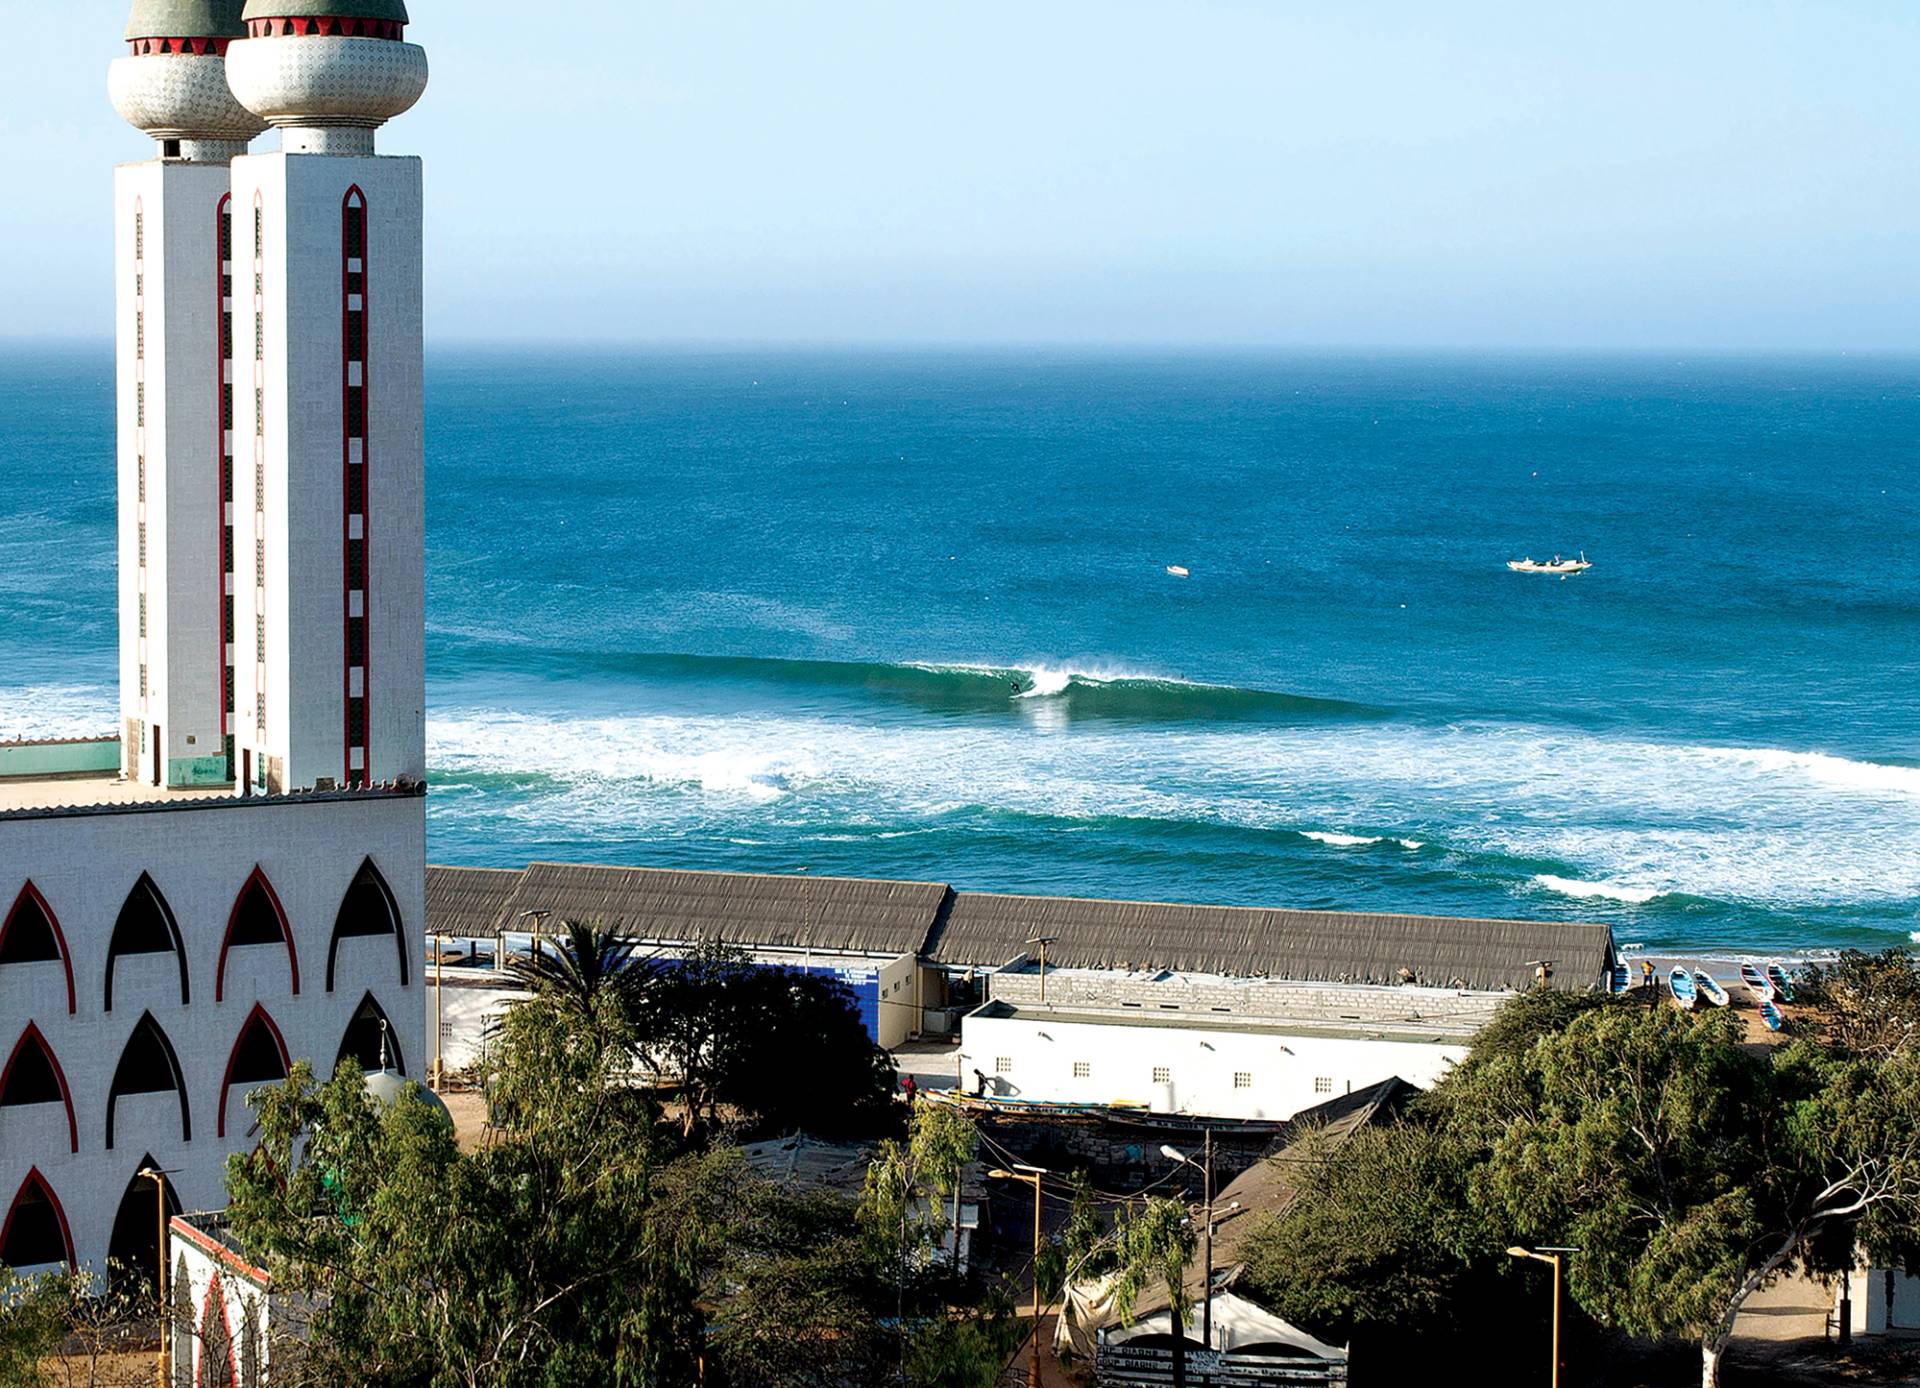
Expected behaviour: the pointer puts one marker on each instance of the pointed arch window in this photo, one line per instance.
(33, 1076)
(149, 1065)
(259, 1057)
(367, 910)
(146, 925)
(182, 1357)
(257, 919)
(133, 1251)
(31, 934)
(35, 1233)
(216, 1340)
(370, 1040)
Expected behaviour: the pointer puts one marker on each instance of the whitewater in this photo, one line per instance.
(908, 615)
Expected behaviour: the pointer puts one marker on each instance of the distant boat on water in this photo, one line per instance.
(1179, 571)
(1680, 983)
(1563, 567)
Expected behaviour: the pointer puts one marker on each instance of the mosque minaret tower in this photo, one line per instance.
(172, 219)
(327, 418)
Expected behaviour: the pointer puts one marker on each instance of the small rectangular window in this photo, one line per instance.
(1082, 1069)
(1322, 1084)
(1162, 1075)
(1003, 1065)
(1242, 1079)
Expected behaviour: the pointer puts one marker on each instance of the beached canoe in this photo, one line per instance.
(1782, 982)
(1710, 988)
(1619, 979)
(1680, 984)
(1771, 1014)
(1757, 983)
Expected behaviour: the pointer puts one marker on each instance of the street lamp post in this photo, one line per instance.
(1554, 1256)
(1206, 1190)
(1033, 1174)
(159, 1179)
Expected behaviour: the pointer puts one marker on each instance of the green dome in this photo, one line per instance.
(186, 19)
(395, 10)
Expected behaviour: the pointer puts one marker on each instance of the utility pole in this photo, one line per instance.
(1206, 1187)
(159, 1179)
(1033, 1174)
(1043, 941)
(439, 961)
(1555, 1256)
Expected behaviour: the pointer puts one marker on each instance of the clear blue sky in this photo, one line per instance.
(1712, 173)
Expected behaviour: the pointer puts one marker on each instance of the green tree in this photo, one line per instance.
(583, 965)
(33, 1322)
(567, 1252)
(1690, 1170)
(1868, 1004)
(1155, 1244)
(731, 1033)
(1381, 1240)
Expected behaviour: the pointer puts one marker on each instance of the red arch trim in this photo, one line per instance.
(32, 893)
(35, 1179)
(233, 917)
(32, 1033)
(259, 1014)
(216, 1300)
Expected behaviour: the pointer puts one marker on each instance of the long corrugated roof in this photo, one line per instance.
(839, 914)
(1253, 942)
(976, 929)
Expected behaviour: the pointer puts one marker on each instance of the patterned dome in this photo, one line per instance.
(185, 19)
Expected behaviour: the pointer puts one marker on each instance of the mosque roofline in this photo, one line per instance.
(395, 10)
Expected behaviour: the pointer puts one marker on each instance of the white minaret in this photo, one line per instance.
(329, 501)
(175, 407)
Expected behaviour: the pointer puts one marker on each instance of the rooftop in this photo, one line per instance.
(71, 791)
(1387, 1021)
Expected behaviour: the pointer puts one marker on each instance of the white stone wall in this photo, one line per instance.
(1286, 1073)
(179, 205)
(302, 198)
(200, 854)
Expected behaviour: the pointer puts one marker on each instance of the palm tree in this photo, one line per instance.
(585, 965)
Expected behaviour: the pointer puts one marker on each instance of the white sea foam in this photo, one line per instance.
(1339, 840)
(1411, 845)
(1615, 819)
(1604, 891)
(57, 710)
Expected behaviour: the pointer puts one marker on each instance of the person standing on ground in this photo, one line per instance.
(911, 1087)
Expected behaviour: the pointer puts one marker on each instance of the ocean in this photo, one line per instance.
(909, 614)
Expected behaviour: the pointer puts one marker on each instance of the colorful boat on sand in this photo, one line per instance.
(1771, 1014)
(1782, 982)
(1619, 979)
(1757, 983)
(1680, 984)
(1710, 988)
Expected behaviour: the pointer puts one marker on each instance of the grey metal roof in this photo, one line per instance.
(841, 914)
(327, 9)
(185, 19)
(468, 901)
(984, 930)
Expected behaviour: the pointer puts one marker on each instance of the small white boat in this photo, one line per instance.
(1771, 1014)
(1179, 571)
(1710, 988)
(1757, 983)
(1556, 565)
(1619, 980)
(1680, 984)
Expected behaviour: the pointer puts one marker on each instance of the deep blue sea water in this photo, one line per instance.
(909, 615)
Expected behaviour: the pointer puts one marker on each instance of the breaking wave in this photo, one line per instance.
(1598, 891)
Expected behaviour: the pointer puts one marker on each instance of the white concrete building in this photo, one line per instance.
(1263, 1062)
(190, 907)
